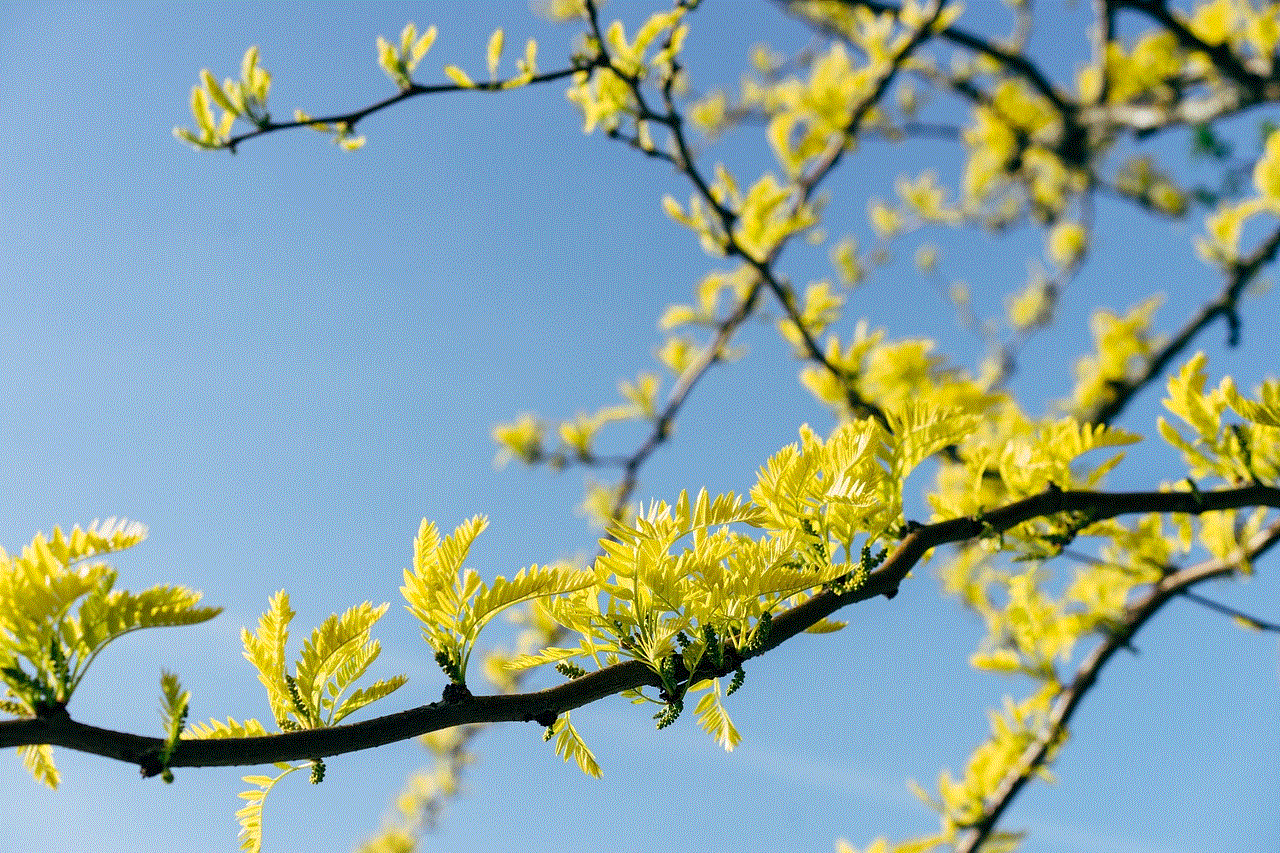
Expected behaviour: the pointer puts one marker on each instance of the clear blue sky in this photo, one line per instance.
(281, 361)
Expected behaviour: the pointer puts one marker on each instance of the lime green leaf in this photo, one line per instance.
(216, 92)
(997, 660)
(1265, 412)
(1266, 174)
(458, 76)
(1067, 244)
(542, 657)
(202, 113)
(569, 744)
(38, 761)
(528, 64)
(265, 650)
(249, 815)
(184, 135)
(217, 730)
(533, 582)
(173, 710)
(338, 652)
(643, 393)
(1247, 622)
(826, 626)
(108, 614)
(678, 315)
(420, 47)
(493, 54)
(519, 440)
(367, 695)
(389, 61)
(39, 588)
(453, 604)
(249, 63)
(712, 716)
(1187, 399)
(920, 430)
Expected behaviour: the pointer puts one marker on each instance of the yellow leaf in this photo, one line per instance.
(458, 76)
(200, 110)
(494, 52)
(569, 744)
(1067, 244)
(187, 136)
(886, 221)
(38, 761)
(421, 46)
(214, 88)
(407, 36)
(529, 65)
(673, 209)
(249, 64)
(1266, 174)
(388, 60)
(998, 660)
(677, 315)
(1214, 22)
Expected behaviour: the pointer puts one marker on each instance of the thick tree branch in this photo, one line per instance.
(61, 730)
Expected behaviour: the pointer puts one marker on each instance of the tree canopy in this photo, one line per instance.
(987, 454)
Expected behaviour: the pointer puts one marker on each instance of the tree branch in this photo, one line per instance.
(1015, 62)
(350, 119)
(59, 729)
(1221, 55)
(1225, 306)
(1136, 615)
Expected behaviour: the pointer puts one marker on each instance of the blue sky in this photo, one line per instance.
(281, 361)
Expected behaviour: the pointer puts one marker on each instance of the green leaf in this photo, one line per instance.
(174, 703)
